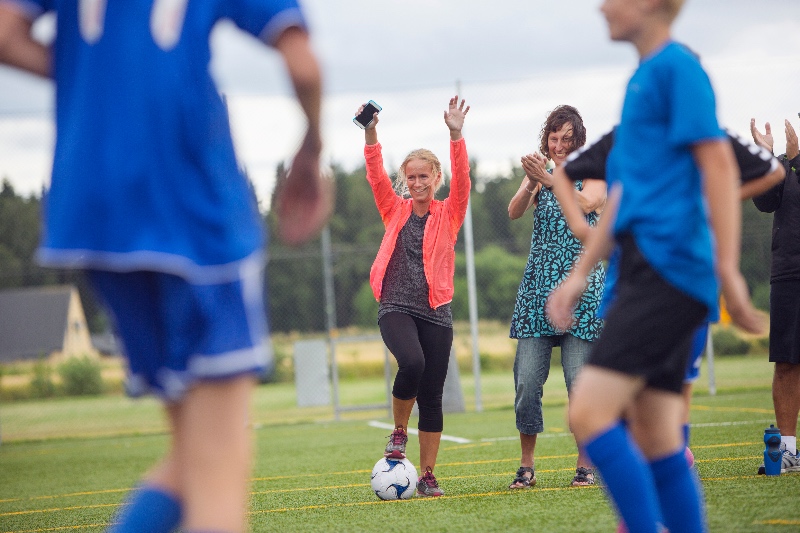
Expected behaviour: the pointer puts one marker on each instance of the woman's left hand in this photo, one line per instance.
(560, 306)
(791, 141)
(535, 167)
(455, 114)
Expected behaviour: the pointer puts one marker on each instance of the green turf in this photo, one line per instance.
(66, 464)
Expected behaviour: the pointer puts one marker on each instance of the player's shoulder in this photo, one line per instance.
(677, 57)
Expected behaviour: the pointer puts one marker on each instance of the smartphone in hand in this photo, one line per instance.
(364, 118)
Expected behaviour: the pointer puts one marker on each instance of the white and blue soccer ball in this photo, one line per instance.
(394, 479)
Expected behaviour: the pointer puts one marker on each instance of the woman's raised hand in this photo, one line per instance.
(374, 117)
(370, 133)
(454, 117)
(764, 140)
(792, 148)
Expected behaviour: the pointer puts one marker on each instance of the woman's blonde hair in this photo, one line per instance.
(423, 154)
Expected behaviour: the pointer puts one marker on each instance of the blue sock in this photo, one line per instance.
(686, 435)
(149, 510)
(679, 494)
(627, 478)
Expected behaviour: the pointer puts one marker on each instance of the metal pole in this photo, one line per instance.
(469, 247)
(330, 312)
(473, 305)
(712, 382)
(327, 274)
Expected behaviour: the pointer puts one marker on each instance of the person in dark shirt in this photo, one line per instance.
(784, 296)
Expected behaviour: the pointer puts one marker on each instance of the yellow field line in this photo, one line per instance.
(364, 471)
(353, 485)
(732, 409)
(770, 522)
(58, 509)
(465, 446)
(59, 528)
(86, 493)
(726, 445)
(412, 500)
(374, 502)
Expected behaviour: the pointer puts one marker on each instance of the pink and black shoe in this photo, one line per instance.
(427, 486)
(396, 447)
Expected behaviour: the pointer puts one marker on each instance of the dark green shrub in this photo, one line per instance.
(365, 307)
(761, 345)
(761, 296)
(491, 363)
(81, 376)
(283, 371)
(728, 342)
(41, 385)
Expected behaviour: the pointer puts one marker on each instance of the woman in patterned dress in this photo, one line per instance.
(553, 250)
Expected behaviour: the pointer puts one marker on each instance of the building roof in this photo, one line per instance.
(33, 321)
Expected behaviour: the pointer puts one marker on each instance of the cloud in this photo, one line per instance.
(515, 60)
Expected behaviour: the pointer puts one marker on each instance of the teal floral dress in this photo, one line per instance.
(553, 251)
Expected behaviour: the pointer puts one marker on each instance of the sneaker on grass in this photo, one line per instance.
(427, 485)
(396, 447)
(789, 463)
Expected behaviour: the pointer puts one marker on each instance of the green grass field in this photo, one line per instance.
(66, 464)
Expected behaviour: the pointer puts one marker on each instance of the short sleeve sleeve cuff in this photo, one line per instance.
(279, 23)
(30, 9)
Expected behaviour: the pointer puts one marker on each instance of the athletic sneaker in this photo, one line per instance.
(789, 462)
(427, 485)
(396, 447)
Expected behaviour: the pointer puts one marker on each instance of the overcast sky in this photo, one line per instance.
(514, 60)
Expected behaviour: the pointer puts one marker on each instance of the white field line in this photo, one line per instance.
(461, 440)
(411, 431)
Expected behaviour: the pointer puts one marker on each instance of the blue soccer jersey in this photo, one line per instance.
(144, 173)
(669, 107)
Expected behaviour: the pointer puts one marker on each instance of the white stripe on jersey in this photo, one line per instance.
(91, 16)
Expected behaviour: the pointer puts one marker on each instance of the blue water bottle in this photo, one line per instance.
(773, 455)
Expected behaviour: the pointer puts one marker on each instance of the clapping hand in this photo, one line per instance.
(535, 167)
(764, 140)
(791, 141)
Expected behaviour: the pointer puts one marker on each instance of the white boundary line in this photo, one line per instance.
(410, 431)
(462, 440)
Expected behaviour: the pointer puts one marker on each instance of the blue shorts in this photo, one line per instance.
(696, 354)
(175, 333)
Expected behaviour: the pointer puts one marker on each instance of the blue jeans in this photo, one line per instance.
(531, 368)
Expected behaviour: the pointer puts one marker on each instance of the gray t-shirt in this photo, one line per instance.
(405, 288)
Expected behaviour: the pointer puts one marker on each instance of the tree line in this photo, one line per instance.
(294, 276)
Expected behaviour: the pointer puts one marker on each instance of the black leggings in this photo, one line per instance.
(422, 350)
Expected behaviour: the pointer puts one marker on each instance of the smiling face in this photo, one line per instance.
(421, 180)
(561, 143)
(562, 133)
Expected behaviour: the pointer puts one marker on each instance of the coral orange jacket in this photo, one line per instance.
(441, 229)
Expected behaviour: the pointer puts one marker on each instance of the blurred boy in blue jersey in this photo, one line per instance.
(760, 172)
(667, 282)
(146, 197)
